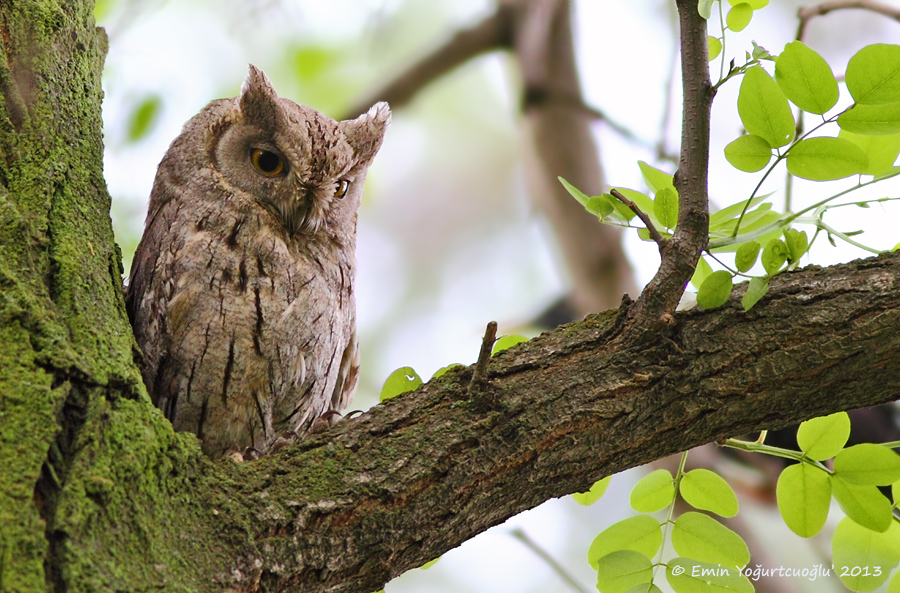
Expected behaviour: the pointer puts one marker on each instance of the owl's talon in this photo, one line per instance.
(325, 421)
(252, 453)
(284, 439)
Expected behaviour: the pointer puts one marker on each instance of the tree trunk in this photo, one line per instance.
(97, 493)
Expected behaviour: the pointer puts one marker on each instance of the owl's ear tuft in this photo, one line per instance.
(366, 132)
(258, 99)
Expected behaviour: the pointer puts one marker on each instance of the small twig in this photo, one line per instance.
(651, 228)
(550, 560)
(808, 13)
(479, 376)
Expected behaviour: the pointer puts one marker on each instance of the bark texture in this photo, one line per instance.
(97, 493)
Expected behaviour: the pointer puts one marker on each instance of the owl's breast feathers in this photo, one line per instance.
(245, 335)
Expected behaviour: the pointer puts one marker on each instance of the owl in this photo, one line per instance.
(241, 291)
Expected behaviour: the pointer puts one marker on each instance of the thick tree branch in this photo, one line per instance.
(680, 254)
(376, 496)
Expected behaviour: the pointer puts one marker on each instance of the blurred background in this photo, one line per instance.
(453, 231)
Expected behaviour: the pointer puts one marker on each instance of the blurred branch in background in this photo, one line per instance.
(558, 122)
(806, 14)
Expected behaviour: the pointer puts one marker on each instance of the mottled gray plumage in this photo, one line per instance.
(241, 291)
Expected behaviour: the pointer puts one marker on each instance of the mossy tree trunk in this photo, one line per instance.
(97, 493)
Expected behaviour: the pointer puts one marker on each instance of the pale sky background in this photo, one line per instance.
(447, 239)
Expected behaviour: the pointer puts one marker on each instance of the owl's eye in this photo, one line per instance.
(340, 188)
(267, 162)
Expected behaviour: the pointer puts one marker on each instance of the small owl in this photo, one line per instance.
(241, 292)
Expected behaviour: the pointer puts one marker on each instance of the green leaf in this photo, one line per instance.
(575, 192)
(775, 253)
(704, 7)
(143, 118)
(600, 206)
(894, 585)
(739, 17)
(758, 217)
(860, 554)
(806, 78)
(645, 588)
(701, 273)
(872, 120)
(864, 504)
(764, 109)
(505, 342)
(690, 576)
(892, 172)
(593, 495)
(653, 492)
(873, 74)
(746, 255)
(700, 537)
(823, 438)
(796, 242)
(759, 52)
(756, 290)
(713, 46)
(706, 490)
(443, 370)
(725, 215)
(868, 463)
(620, 210)
(656, 179)
(804, 495)
(620, 571)
(748, 153)
(641, 533)
(400, 381)
(665, 207)
(881, 150)
(826, 159)
(754, 4)
(715, 290)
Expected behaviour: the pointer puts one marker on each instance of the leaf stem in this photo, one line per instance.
(757, 447)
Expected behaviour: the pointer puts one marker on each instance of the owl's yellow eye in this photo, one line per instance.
(267, 162)
(340, 188)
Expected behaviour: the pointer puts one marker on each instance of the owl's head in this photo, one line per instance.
(305, 168)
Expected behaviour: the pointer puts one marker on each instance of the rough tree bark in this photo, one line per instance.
(97, 493)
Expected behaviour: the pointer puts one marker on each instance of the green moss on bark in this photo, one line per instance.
(65, 343)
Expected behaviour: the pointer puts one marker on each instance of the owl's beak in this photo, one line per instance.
(297, 212)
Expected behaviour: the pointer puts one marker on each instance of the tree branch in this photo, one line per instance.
(681, 252)
(807, 13)
(651, 228)
(491, 34)
(349, 509)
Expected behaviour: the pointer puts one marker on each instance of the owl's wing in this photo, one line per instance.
(348, 374)
(147, 297)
